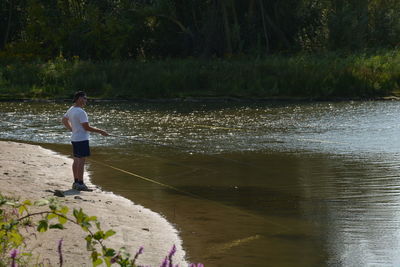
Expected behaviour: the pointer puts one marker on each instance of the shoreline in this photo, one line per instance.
(210, 99)
(33, 172)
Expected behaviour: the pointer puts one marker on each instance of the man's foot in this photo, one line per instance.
(75, 186)
(81, 187)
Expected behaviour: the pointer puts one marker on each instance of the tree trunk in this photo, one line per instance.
(280, 33)
(7, 33)
(363, 17)
(228, 34)
(250, 12)
(264, 26)
(236, 30)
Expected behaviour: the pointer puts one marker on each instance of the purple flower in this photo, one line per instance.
(14, 253)
(164, 263)
(170, 255)
(140, 251)
(114, 259)
(172, 252)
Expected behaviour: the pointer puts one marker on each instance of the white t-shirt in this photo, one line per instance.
(77, 116)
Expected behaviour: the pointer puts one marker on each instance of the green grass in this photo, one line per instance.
(324, 76)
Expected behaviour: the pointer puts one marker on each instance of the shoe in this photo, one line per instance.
(75, 186)
(81, 187)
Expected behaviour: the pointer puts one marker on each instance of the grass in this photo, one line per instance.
(324, 76)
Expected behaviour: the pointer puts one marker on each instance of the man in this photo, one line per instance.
(76, 120)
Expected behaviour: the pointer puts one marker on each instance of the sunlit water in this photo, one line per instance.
(248, 184)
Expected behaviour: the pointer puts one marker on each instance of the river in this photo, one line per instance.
(250, 183)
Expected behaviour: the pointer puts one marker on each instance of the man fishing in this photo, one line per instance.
(76, 120)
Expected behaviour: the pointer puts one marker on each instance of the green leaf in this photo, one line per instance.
(56, 226)
(26, 254)
(7, 226)
(89, 245)
(75, 213)
(94, 255)
(109, 252)
(97, 262)
(51, 216)
(64, 210)
(16, 238)
(98, 235)
(27, 202)
(92, 218)
(107, 261)
(22, 209)
(109, 233)
(12, 204)
(80, 217)
(62, 219)
(41, 202)
(43, 225)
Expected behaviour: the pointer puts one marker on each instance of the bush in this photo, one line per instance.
(325, 76)
(15, 215)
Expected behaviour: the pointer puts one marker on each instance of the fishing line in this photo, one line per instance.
(189, 194)
(124, 171)
(146, 179)
(235, 243)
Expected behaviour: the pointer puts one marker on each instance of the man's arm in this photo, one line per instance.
(89, 128)
(67, 124)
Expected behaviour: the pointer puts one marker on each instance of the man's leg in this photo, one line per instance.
(75, 169)
(81, 150)
(78, 168)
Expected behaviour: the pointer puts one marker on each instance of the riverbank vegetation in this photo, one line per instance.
(170, 48)
(324, 76)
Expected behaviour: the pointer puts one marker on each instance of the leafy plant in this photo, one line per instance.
(15, 215)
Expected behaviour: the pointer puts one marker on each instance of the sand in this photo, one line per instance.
(32, 172)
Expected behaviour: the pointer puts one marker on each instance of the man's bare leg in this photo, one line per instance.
(78, 168)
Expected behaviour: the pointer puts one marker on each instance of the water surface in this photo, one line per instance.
(247, 184)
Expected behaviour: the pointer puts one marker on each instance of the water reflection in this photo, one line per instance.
(283, 184)
(360, 127)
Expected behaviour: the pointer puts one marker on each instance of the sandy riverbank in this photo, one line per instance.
(32, 172)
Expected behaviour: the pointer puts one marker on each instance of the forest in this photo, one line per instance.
(120, 31)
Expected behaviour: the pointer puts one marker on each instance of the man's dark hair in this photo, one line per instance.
(78, 95)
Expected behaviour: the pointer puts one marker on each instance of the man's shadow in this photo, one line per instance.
(69, 192)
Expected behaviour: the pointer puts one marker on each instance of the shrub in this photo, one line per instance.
(15, 215)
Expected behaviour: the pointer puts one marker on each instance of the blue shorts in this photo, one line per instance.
(81, 149)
